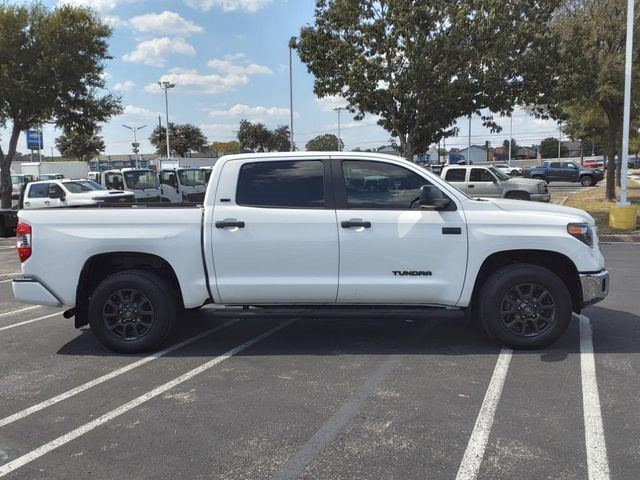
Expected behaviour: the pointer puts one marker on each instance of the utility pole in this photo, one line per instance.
(165, 85)
(559, 140)
(468, 159)
(292, 44)
(339, 109)
(510, 135)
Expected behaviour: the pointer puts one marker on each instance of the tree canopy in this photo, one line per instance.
(549, 148)
(324, 143)
(80, 144)
(183, 138)
(258, 138)
(420, 65)
(52, 70)
(224, 148)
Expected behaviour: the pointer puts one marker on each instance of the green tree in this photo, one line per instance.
(591, 68)
(325, 143)
(514, 146)
(280, 140)
(421, 65)
(225, 148)
(549, 148)
(51, 70)
(254, 136)
(81, 145)
(183, 138)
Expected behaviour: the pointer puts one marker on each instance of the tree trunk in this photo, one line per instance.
(611, 148)
(5, 168)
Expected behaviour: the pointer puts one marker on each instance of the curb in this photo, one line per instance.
(612, 238)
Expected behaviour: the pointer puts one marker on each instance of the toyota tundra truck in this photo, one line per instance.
(314, 232)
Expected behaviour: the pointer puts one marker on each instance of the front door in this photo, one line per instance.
(391, 250)
(482, 183)
(274, 234)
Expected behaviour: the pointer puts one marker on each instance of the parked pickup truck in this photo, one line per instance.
(481, 181)
(565, 172)
(317, 233)
(67, 193)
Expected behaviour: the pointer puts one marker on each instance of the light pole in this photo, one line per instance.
(510, 135)
(292, 44)
(135, 143)
(165, 85)
(339, 109)
(468, 159)
(559, 140)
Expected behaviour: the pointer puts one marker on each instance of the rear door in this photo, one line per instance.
(457, 177)
(391, 250)
(37, 196)
(274, 233)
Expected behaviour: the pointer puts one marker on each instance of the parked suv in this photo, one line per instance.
(479, 181)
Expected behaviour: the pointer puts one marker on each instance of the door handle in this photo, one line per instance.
(355, 223)
(229, 223)
(47, 202)
(470, 186)
(27, 203)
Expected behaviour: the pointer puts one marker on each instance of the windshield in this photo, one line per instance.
(17, 179)
(192, 177)
(499, 174)
(81, 186)
(140, 179)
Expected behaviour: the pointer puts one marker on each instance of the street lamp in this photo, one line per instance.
(339, 109)
(292, 44)
(165, 85)
(135, 143)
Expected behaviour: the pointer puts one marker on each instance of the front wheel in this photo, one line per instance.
(132, 311)
(587, 181)
(525, 306)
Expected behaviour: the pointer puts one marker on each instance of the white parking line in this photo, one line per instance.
(86, 386)
(87, 427)
(478, 442)
(29, 321)
(597, 462)
(9, 274)
(6, 281)
(20, 310)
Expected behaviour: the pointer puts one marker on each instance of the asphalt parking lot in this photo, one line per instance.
(323, 399)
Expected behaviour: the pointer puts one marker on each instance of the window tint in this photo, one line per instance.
(281, 184)
(456, 175)
(380, 185)
(39, 190)
(555, 165)
(480, 175)
(114, 181)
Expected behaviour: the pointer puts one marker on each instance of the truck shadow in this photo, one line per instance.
(446, 333)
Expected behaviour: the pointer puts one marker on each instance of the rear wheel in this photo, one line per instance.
(587, 181)
(132, 311)
(525, 306)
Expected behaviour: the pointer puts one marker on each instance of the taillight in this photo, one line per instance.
(23, 235)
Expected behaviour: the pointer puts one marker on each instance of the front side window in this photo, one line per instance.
(381, 185)
(192, 178)
(39, 190)
(456, 175)
(114, 181)
(168, 178)
(289, 184)
(140, 179)
(480, 175)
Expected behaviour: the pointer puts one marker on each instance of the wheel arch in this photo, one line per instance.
(555, 262)
(103, 265)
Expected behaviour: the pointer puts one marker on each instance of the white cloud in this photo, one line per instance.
(126, 86)
(97, 5)
(227, 66)
(154, 52)
(169, 23)
(246, 111)
(329, 103)
(220, 131)
(193, 82)
(133, 112)
(229, 5)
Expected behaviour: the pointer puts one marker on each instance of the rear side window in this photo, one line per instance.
(39, 190)
(555, 165)
(455, 175)
(290, 184)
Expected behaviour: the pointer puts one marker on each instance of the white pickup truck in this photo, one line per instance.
(322, 232)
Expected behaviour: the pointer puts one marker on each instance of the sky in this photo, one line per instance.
(229, 60)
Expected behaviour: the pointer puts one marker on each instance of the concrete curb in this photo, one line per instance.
(613, 238)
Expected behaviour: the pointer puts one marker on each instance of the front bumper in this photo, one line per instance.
(541, 197)
(30, 290)
(595, 287)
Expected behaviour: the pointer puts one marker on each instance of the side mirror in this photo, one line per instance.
(432, 198)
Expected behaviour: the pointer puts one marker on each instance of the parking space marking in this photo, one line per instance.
(6, 281)
(597, 461)
(92, 383)
(87, 427)
(29, 321)
(480, 436)
(9, 274)
(20, 310)
(8, 248)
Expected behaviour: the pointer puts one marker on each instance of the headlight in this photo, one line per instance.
(542, 187)
(582, 232)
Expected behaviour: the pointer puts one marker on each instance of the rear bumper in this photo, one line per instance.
(595, 287)
(30, 290)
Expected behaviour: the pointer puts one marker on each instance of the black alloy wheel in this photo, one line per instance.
(128, 314)
(528, 309)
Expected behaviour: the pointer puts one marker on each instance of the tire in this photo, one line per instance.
(514, 173)
(518, 195)
(132, 311)
(512, 289)
(587, 181)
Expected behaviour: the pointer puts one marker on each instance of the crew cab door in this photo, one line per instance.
(274, 233)
(482, 183)
(391, 250)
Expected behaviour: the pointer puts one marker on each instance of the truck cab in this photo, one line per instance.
(182, 185)
(143, 182)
